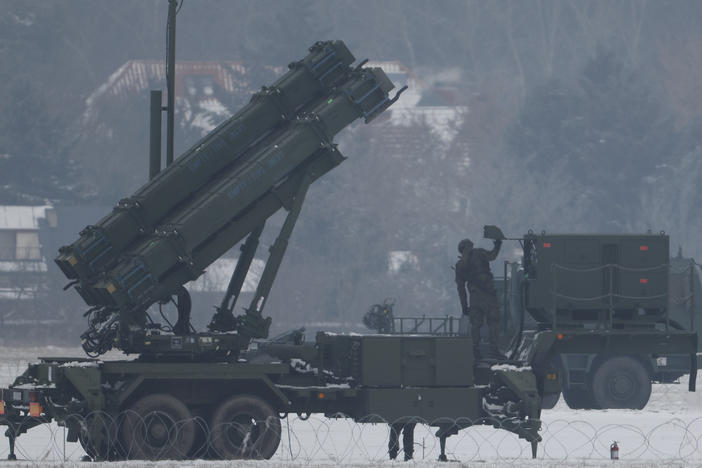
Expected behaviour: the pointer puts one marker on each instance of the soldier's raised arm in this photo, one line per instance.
(492, 255)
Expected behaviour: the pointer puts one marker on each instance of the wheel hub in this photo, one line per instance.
(621, 387)
(157, 431)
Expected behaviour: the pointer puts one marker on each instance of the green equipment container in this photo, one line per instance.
(581, 278)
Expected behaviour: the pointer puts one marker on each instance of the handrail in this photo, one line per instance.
(425, 326)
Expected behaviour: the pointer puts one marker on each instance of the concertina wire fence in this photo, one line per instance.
(668, 429)
(340, 440)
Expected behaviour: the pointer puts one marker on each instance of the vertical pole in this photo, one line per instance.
(611, 296)
(503, 319)
(170, 79)
(692, 295)
(155, 134)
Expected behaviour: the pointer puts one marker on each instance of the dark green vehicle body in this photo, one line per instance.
(218, 394)
(591, 306)
(371, 379)
(598, 317)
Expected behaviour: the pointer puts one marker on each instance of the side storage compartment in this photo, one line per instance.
(399, 361)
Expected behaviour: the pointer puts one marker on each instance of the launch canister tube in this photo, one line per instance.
(100, 245)
(158, 258)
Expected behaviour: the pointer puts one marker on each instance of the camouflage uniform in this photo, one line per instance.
(473, 271)
(407, 430)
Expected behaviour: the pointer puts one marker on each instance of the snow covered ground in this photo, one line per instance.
(667, 433)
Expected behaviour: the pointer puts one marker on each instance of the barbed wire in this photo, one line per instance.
(340, 440)
(669, 428)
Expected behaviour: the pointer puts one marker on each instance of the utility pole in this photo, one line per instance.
(170, 80)
(156, 105)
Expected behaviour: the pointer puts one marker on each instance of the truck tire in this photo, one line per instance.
(578, 398)
(157, 427)
(621, 382)
(549, 400)
(99, 437)
(245, 426)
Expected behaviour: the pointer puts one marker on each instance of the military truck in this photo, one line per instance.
(221, 393)
(598, 317)
(601, 304)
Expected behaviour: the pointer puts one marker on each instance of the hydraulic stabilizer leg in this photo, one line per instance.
(11, 436)
(443, 433)
(184, 306)
(442, 445)
(252, 324)
(224, 320)
(534, 447)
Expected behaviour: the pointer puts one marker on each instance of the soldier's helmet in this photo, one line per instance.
(465, 244)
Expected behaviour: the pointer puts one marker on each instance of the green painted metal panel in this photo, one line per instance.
(381, 361)
(427, 404)
(454, 361)
(418, 361)
(596, 273)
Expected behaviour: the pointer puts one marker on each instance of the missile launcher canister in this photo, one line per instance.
(310, 79)
(164, 260)
(219, 192)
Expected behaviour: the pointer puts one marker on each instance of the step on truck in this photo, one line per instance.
(220, 393)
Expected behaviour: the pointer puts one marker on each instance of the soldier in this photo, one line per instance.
(407, 429)
(473, 271)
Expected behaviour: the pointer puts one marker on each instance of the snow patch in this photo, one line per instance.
(510, 367)
(82, 364)
(443, 121)
(401, 259)
(32, 386)
(216, 277)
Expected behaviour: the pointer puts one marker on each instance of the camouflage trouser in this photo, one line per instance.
(407, 430)
(483, 306)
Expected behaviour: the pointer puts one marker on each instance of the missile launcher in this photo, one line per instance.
(100, 245)
(217, 194)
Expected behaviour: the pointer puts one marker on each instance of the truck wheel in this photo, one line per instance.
(158, 426)
(621, 382)
(578, 398)
(98, 437)
(549, 400)
(245, 426)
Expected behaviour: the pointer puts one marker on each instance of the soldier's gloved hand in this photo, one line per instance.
(465, 311)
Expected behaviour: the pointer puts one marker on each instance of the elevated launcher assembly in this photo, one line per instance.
(218, 193)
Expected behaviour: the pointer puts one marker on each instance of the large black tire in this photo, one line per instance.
(245, 426)
(99, 438)
(549, 400)
(578, 398)
(157, 427)
(621, 382)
